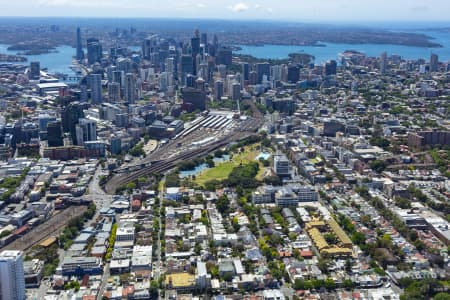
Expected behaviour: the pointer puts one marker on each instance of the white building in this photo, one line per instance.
(12, 278)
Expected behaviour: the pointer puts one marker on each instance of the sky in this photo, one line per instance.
(286, 10)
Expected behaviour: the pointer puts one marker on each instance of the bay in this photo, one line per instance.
(332, 50)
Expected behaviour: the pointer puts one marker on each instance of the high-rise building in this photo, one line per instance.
(293, 75)
(218, 89)
(80, 52)
(225, 56)
(130, 88)
(330, 68)
(245, 69)
(150, 46)
(193, 99)
(12, 278)
(35, 70)
(96, 88)
(94, 50)
(261, 70)
(86, 130)
(383, 63)
(187, 66)
(114, 92)
(236, 91)
(54, 134)
(70, 116)
(434, 62)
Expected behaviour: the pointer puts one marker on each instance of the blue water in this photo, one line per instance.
(331, 51)
(54, 62)
(58, 62)
(197, 170)
(61, 61)
(263, 155)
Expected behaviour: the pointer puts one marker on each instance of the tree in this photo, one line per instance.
(348, 284)
(223, 204)
(378, 165)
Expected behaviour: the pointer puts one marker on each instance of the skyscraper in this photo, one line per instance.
(86, 130)
(434, 62)
(96, 88)
(261, 70)
(35, 70)
(225, 56)
(293, 73)
(94, 50)
(12, 278)
(70, 116)
(54, 134)
(383, 63)
(330, 68)
(218, 89)
(245, 71)
(130, 88)
(114, 92)
(236, 91)
(195, 50)
(80, 52)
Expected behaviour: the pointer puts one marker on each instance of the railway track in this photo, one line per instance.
(161, 166)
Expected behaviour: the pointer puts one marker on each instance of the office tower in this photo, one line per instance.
(195, 50)
(190, 80)
(200, 84)
(434, 62)
(114, 92)
(293, 73)
(383, 63)
(150, 46)
(276, 72)
(35, 70)
(130, 88)
(54, 134)
(216, 42)
(12, 278)
(170, 65)
(236, 91)
(204, 39)
(94, 51)
(84, 96)
(218, 89)
(44, 119)
(109, 72)
(261, 70)
(330, 68)
(225, 57)
(80, 52)
(222, 69)
(124, 64)
(187, 66)
(193, 99)
(165, 80)
(96, 88)
(70, 116)
(245, 69)
(253, 78)
(86, 130)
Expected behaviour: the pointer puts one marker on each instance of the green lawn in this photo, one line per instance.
(222, 170)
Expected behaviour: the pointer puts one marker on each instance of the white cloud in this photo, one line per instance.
(239, 7)
(269, 10)
(201, 5)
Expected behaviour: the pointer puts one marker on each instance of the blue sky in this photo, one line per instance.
(295, 10)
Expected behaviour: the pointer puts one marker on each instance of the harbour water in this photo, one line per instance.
(331, 51)
(60, 61)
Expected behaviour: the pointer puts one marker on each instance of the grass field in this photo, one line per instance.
(222, 170)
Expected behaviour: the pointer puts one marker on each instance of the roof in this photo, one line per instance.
(48, 242)
(51, 85)
(180, 279)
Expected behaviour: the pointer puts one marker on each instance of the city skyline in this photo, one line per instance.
(325, 11)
